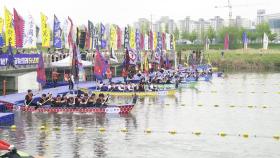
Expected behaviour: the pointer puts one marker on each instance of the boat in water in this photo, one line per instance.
(110, 109)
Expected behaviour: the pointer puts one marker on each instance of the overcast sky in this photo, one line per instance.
(124, 12)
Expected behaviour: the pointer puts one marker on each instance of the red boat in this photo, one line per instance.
(111, 109)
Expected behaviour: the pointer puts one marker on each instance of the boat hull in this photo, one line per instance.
(152, 93)
(123, 109)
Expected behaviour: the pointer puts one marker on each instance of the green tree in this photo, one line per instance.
(272, 36)
(211, 34)
(252, 35)
(193, 36)
(185, 35)
(177, 33)
(235, 35)
(261, 29)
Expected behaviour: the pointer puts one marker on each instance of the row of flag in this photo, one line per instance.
(23, 33)
(245, 41)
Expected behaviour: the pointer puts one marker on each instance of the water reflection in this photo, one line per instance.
(178, 112)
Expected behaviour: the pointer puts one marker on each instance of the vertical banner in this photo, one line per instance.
(126, 38)
(163, 37)
(88, 39)
(146, 42)
(9, 28)
(226, 42)
(151, 40)
(207, 44)
(41, 72)
(113, 37)
(265, 41)
(137, 39)
(159, 41)
(1, 32)
(29, 40)
(91, 34)
(155, 40)
(57, 34)
(103, 36)
(132, 38)
(65, 33)
(142, 41)
(46, 37)
(171, 42)
(119, 32)
(245, 40)
(19, 29)
(167, 41)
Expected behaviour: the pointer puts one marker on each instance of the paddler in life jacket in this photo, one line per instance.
(109, 74)
(29, 98)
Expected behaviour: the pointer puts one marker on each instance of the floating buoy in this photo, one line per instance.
(264, 107)
(277, 137)
(42, 127)
(167, 104)
(250, 106)
(124, 130)
(196, 133)
(182, 104)
(199, 105)
(222, 134)
(231, 106)
(148, 130)
(79, 128)
(172, 132)
(13, 127)
(102, 129)
(56, 128)
(216, 105)
(245, 135)
(265, 92)
(239, 92)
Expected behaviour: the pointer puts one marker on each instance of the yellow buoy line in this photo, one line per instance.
(240, 92)
(230, 106)
(149, 131)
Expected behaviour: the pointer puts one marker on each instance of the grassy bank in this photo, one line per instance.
(250, 60)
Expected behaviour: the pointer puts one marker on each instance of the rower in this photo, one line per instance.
(29, 98)
(44, 100)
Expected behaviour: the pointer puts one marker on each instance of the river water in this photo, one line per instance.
(242, 103)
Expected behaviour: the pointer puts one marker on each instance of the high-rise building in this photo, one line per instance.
(216, 23)
(260, 16)
(243, 22)
(274, 22)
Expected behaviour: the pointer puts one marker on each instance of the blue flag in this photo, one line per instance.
(137, 39)
(1, 40)
(41, 73)
(57, 32)
(102, 29)
(11, 59)
(244, 37)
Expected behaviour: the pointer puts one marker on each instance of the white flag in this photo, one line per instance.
(113, 56)
(29, 36)
(146, 42)
(167, 40)
(265, 41)
(65, 33)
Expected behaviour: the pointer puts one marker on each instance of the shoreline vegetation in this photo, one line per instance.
(242, 60)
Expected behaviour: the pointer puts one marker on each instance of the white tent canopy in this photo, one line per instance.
(67, 62)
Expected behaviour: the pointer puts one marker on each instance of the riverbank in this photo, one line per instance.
(249, 60)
